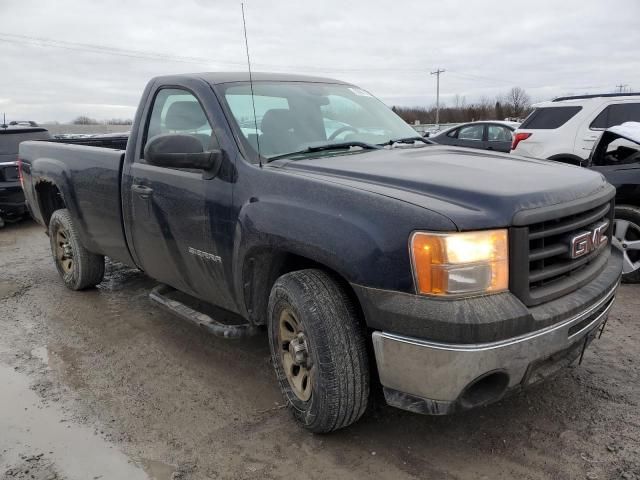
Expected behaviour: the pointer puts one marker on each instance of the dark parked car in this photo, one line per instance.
(12, 204)
(362, 249)
(490, 135)
(617, 156)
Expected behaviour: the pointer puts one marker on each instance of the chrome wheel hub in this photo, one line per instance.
(64, 252)
(298, 350)
(627, 235)
(294, 354)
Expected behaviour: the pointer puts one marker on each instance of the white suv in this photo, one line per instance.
(566, 128)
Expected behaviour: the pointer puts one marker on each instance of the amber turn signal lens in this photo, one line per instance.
(460, 263)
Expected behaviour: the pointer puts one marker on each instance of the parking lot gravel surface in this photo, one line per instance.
(102, 384)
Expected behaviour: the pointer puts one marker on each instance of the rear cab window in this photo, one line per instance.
(616, 114)
(11, 138)
(549, 118)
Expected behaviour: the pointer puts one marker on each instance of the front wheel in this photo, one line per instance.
(318, 350)
(627, 233)
(78, 267)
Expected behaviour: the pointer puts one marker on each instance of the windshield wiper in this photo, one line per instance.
(406, 140)
(328, 146)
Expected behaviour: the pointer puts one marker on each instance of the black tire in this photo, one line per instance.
(630, 214)
(337, 354)
(82, 269)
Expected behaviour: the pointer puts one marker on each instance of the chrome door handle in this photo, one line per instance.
(142, 190)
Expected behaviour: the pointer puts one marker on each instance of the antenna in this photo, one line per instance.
(253, 102)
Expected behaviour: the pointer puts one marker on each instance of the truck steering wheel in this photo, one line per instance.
(346, 128)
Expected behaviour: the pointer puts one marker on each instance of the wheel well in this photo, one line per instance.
(628, 195)
(261, 271)
(49, 199)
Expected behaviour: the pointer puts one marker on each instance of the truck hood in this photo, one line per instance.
(474, 189)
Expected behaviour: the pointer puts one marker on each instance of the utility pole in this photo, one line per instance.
(437, 74)
(621, 87)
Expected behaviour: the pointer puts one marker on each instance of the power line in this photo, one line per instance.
(122, 52)
(102, 49)
(480, 77)
(143, 54)
(26, 40)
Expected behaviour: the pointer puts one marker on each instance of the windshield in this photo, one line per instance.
(292, 116)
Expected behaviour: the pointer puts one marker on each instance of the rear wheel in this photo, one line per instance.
(318, 350)
(627, 232)
(78, 268)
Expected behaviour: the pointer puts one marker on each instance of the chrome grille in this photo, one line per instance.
(545, 268)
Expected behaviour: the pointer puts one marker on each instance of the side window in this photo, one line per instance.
(453, 133)
(616, 115)
(471, 132)
(549, 118)
(498, 133)
(178, 111)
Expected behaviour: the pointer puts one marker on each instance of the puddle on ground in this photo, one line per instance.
(157, 470)
(42, 354)
(8, 288)
(61, 360)
(30, 428)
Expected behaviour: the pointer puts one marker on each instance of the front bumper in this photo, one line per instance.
(439, 377)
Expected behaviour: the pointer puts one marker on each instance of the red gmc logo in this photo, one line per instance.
(586, 242)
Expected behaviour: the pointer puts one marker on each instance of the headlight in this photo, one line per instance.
(460, 263)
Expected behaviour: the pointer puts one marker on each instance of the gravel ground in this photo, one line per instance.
(103, 384)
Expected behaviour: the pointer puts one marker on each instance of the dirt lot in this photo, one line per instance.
(103, 384)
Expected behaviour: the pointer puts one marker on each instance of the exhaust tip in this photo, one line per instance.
(486, 389)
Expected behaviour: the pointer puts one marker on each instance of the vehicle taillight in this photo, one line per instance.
(518, 137)
(20, 172)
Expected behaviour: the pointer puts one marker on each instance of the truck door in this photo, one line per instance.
(179, 226)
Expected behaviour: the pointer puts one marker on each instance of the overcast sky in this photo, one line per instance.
(57, 57)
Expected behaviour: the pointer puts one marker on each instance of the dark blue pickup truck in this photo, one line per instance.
(306, 208)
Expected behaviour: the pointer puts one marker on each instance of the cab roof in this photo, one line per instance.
(215, 78)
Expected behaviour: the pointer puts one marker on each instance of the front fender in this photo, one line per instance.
(354, 247)
(362, 236)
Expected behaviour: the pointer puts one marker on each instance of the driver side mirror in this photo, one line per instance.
(182, 151)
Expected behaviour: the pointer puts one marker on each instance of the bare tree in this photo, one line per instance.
(517, 102)
(514, 104)
(84, 120)
(118, 121)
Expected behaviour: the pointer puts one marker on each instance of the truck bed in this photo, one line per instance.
(88, 179)
(114, 141)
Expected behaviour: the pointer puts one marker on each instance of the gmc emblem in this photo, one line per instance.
(586, 242)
